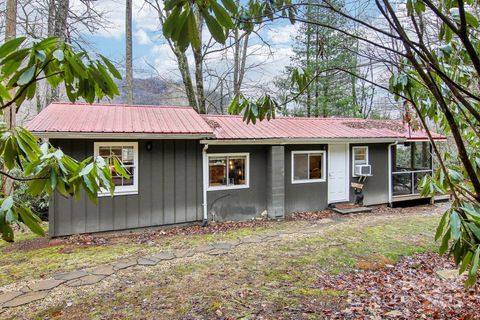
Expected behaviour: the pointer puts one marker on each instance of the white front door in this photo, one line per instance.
(338, 173)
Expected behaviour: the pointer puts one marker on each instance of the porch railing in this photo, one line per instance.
(407, 182)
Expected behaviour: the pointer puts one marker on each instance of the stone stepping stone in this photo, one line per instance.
(123, 264)
(217, 252)
(204, 248)
(70, 275)
(7, 296)
(448, 274)
(48, 284)
(105, 270)
(164, 255)
(223, 246)
(87, 280)
(147, 261)
(25, 298)
(251, 239)
(184, 253)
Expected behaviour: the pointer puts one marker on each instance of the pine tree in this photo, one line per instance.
(321, 50)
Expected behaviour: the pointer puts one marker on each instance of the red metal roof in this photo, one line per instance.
(81, 118)
(233, 127)
(113, 118)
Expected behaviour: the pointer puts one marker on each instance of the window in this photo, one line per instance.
(228, 171)
(360, 157)
(308, 166)
(127, 154)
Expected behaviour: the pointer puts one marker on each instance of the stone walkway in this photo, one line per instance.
(40, 289)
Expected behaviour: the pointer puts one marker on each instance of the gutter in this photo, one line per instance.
(390, 172)
(120, 135)
(291, 141)
(205, 184)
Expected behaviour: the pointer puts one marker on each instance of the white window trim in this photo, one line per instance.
(308, 152)
(247, 171)
(121, 190)
(353, 157)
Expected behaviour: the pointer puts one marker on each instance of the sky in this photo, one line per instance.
(150, 48)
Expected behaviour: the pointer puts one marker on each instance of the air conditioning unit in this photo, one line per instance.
(362, 170)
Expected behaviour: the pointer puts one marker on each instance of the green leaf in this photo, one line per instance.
(86, 170)
(111, 68)
(465, 262)
(222, 16)
(230, 6)
(31, 220)
(27, 75)
(10, 46)
(59, 55)
(10, 153)
(455, 226)
(7, 203)
(120, 169)
(7, 232)
(193, 30)
(214, 27)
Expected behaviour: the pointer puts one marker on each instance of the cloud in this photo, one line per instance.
(282, 34)
(142, 37)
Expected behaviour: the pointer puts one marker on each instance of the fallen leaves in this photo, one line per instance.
(411, 289)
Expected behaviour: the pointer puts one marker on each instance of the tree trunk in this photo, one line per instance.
(239, 61)
(128, 52)
(198, 57)
(59, 30)
(9, 114)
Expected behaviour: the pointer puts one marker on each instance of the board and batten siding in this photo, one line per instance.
(375, 188)
(304, 196)
(241, 204)
(169, 191)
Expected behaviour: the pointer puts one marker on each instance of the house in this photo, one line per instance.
(187, 167)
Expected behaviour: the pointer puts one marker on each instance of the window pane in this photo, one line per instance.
(236, 171)
(116, 151)
(131, 173)
(300, 166)
(316, 165)
(127, 155)
(421, 156)
(360, 156)
(217, 171)
(402, 184)
(104, 152)
(402, 158)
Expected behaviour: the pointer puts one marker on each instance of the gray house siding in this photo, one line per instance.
(241, 204)
(169, 191)
(375, 188)
(304, 196)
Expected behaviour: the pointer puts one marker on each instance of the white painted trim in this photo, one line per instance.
(234, 187)
(288, 141)
(353, 158)
(347, 173)
(205, 182)
(120, 135)
(308, 152)
(390, 178)
(120, 190)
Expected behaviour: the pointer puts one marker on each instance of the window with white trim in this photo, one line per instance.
(360, 156)
(308, 166)
(127, 155)
(228, 171)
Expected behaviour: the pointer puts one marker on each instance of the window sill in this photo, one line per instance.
(308, 181)
(117, 193)
(219, 188)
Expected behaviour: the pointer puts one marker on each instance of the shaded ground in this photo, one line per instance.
(343, 267)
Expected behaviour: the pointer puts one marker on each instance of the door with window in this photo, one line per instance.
(338, 172)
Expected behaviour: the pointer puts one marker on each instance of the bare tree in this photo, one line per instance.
(9, 113)
(128, 52)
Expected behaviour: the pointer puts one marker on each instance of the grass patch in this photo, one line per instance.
(274, 280)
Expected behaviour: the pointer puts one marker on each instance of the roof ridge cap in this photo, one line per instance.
(120, 105)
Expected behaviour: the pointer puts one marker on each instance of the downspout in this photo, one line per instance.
(205, 184)
(390, 172)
